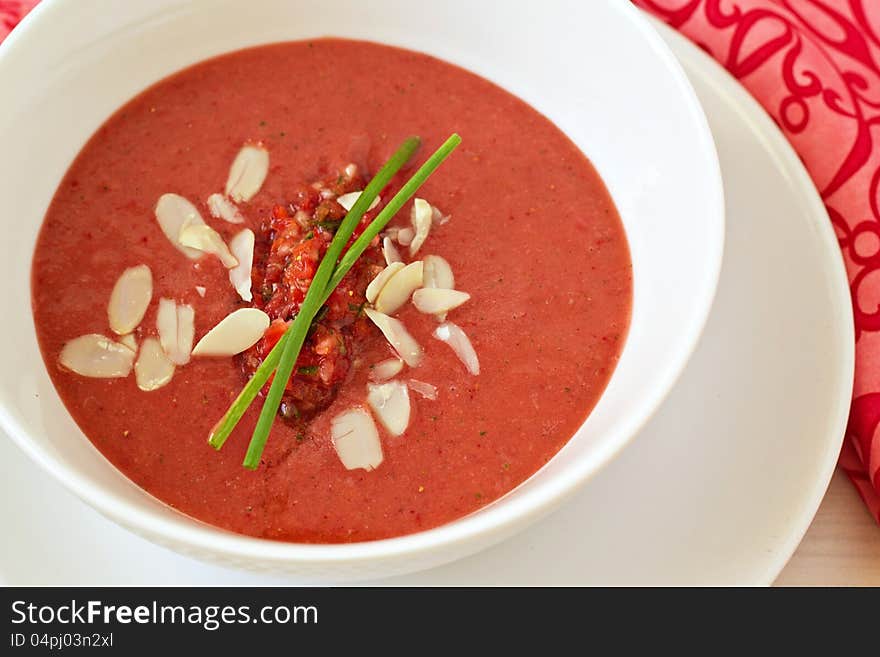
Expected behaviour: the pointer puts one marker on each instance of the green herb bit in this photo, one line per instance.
(308, 370)
(329, 224)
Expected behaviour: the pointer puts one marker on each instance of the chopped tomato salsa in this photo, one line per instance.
(291, 244)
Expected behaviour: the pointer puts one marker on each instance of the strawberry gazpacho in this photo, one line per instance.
(249, 265)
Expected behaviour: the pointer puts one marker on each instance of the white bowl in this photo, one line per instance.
(597, 69)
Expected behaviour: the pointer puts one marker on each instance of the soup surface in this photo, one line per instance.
(533, 237)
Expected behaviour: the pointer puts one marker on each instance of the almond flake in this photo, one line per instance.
(242, 248)
(247, 173)
(438, 218)
(129, 299)
(390, 403)
(386, 369)
(397, 291)
(434, 301)
(356, 440)
(376, 285)
(452, 335)
(438, 273)
(152, 369)
(206, 239)
(221, 207)
(176, 327)
(97, 356)
(238, 331)
(397, 335)
(172, 213)
(421, 216)
(390, 251)
(426, 390)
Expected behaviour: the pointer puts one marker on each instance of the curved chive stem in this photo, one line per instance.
(326, 279)
(235, 412)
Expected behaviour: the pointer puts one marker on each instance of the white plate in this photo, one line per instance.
(718, 489)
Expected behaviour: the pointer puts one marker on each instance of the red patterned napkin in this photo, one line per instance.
(11, 12)
(815, 66)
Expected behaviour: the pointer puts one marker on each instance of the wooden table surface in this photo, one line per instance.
(842, 546)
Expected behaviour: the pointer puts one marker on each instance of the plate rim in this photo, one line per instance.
(691, 55)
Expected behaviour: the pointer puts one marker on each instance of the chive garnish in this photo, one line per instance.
(282, 358)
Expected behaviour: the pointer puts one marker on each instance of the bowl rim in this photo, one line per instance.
(492, 522)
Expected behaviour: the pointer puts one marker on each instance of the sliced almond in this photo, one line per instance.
(242, 248)
(348, 200)
(386, 369)
(207, 240)
(426, 390)
(97, 356)
(129, 299)
(405, 236)
(456, 338)
(381, 279)
(438, 218)
(390, 403)
(221, 207)
(356, 440)
(201, 290)
(434, 301)
(153, 369)
(399, 288)
(247, 173)
(172, 213)
(390, 251)
(421, 216)
(129, 341)
(397, 335)
(438, 273)
(176, 327)
(239, 330)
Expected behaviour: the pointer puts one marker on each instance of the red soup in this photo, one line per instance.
(517, 216)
